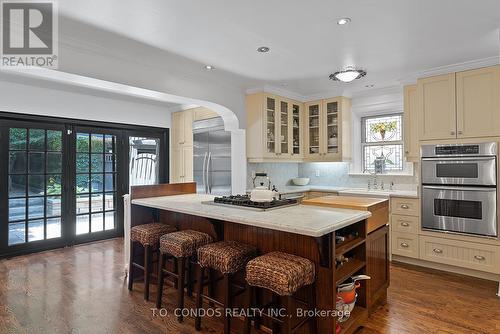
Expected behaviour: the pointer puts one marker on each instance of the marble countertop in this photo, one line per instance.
(300, 219)
(349, 191)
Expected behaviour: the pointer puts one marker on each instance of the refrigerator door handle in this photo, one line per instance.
(203, 173)
(209, 161)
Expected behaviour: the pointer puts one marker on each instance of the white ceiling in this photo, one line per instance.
(391, 39)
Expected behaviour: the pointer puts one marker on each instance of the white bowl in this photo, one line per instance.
(300, 181)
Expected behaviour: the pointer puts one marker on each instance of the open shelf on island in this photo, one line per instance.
(346, 246)
(349, 269)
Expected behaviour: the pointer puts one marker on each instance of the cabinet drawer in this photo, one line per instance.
(404, 244)
(405, 206)
(405, 224)
(461, 253)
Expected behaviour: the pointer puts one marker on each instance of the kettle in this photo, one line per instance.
(261, 193)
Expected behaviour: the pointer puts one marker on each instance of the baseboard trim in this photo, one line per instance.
(447, 268)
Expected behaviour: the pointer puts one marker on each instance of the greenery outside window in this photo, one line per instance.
(382, 143)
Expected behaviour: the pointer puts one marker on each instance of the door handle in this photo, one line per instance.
(405, 245)
(437, 251)
(209, 162)
(203, 176)
(479, 257)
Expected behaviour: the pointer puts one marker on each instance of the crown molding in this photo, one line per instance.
(458, 67)
(277, 91)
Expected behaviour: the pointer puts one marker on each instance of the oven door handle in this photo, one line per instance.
(459, 158)
(488, 189)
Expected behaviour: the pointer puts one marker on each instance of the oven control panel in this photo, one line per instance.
(454, 150)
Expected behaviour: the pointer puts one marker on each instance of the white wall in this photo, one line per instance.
(36, 100)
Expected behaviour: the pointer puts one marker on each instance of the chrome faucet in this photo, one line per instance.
(374, 175)
(391, 186)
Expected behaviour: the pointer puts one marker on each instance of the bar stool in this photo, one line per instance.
(181, 246)
(283, 274)
(226, 257)
(147, 235)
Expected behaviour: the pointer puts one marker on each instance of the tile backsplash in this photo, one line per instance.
(325, 174)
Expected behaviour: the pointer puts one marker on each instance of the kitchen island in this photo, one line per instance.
(303, 230)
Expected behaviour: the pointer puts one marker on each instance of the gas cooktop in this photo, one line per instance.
(244, 202)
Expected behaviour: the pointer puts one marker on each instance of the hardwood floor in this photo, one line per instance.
(83, 290)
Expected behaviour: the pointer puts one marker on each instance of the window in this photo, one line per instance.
(382, 143)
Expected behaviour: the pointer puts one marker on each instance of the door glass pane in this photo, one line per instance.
(270, 121)
(17, 233)
(110, 221)
(54, 140)
(332, 126)
(36, 185)
(144, 164)
(36, 163)
(82, 224)
(54, 163)
(82, 142)
(17, 162)
(53, 228)
(17, 185)
(36, 173)
(96, 170)
(37, 140)
(36, 230)
(17, 139)
(296, 128)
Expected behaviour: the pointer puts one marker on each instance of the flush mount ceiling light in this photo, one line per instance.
(209, 67)
(263, 49)
(343, 21)
(348, 74)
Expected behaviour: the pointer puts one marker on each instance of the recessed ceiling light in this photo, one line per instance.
(209, 67)
(370, 86)
(263, 49)
(343, 21)
(348, 74)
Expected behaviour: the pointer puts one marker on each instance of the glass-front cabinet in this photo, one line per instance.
(324, 129)
(270, 124)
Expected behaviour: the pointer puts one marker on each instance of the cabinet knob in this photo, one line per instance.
(460, 132)
(479, 257)
(405, 245)
(405, 224)
(452, 133)
(407, 152)
(405, 206)
(437, 251)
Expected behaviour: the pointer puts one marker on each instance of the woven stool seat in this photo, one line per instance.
(183, 243)
(149, 234)
(227, 257)
(280, 272)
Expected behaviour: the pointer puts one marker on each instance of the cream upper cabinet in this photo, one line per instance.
(478, 102)
(412, 148)
(273, 128)
(182, 128)
(328, 130)
(202, 113)
(313, 128)
(437, 107)
(182, 164)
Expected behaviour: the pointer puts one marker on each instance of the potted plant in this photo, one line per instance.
(383, 127)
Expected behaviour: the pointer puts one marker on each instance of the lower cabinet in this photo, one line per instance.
(460, 253)
(182, 164)
(377, 267)
(405, 244)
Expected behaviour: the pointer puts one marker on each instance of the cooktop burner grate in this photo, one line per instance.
(245, 202)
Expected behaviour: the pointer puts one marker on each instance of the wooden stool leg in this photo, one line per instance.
(227, 303)
(180, 286)
(248, 305)
(312, 321)
(176, 267)
(287, 323)
(147, 270)
(211, 285)
(131, 268)
(190, 278)
(275, 304)
(199, 299)
(161, 274)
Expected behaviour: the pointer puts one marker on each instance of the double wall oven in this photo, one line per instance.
(459, 188)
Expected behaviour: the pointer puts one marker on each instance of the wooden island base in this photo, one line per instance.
(321, 250)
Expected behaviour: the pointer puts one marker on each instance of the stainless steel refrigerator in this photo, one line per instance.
(212, 157)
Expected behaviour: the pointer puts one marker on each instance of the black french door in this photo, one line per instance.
(62, 183)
